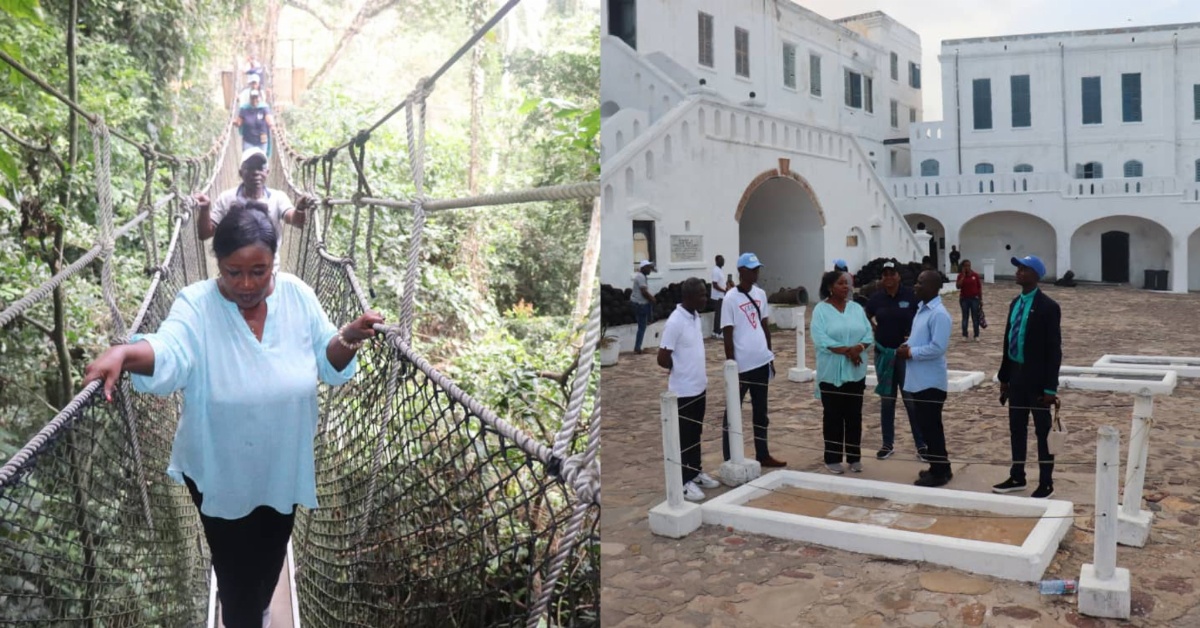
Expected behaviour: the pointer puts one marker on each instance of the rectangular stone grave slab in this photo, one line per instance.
(880, 533)
(1183, 366)
(959, 381)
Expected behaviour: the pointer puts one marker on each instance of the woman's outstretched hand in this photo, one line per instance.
(106, 368)
(363, 326)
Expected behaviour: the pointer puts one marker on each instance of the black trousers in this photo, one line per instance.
(691, 428)
(928, 406)
(247, 554)
(754, 381)
(842, 418)
(715, 306)
(1021, 397)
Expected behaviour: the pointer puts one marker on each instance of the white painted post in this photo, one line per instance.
(674, 518)
(737, 470)
(1133, 522)
(1104, 588)
(800, 373)
(989, 271)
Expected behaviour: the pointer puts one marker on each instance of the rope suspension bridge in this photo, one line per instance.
(434, 510)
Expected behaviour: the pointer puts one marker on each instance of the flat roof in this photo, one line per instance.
(1100, 31)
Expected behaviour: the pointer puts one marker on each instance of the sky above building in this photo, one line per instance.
(938, 20)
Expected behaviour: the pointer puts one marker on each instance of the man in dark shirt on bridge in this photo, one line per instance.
(255, 123)
(891, 310)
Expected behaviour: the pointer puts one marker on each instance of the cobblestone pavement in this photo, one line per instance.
(718, 577)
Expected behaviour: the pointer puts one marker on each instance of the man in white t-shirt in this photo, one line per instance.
(719, 286)
(745, 316)
(253, 170)
(682, 352)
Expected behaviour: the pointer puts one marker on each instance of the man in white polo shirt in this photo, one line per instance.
(681, 350)
(254, 169)
(719, 287)
(744, 316)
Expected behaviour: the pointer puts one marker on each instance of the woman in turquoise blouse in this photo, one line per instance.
(840, 334)
(247, 349)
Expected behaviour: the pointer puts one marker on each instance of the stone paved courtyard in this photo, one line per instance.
(716, 577)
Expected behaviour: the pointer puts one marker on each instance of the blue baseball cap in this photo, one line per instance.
(1032, 262)
(748, 260)
(840, 264)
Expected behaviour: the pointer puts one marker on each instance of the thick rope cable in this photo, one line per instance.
(416, 157)
(16, 466)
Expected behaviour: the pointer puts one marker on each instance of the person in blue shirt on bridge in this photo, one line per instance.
(247, 349)
(925, 378)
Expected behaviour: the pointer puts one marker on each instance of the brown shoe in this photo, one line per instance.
(770, 462)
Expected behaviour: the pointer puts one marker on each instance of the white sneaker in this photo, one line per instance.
(856, 467)
(705, 480)
(835, 468)
(692, 493)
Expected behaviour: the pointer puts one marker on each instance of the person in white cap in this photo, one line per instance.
(253, 83)
(255, 122)
(643, 301)
(253, 170)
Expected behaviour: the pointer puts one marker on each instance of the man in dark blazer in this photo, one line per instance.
(1029, 374)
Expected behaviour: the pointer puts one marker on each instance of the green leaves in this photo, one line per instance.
(8, 166)
(22, 10)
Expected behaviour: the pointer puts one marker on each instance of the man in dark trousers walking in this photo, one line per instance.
(1029, 374)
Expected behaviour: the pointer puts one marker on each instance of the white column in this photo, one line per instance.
(675, 518)
(1134, 523)
(737, 470)
(1179, 263)
(800, 373)
(1104, 588)
(1063, 254)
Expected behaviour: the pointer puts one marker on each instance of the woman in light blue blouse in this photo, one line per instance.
(840, 334)
(247, 349)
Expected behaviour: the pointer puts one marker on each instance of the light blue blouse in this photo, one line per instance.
(249, 409)
(830, 328)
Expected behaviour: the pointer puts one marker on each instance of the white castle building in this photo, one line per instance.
(758, 125)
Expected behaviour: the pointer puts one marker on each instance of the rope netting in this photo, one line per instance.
(434, 511)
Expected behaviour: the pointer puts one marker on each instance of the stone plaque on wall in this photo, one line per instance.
(687, 249)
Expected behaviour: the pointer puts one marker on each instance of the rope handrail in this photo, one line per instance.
(42, 291)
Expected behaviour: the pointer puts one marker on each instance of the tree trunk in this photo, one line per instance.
(66, 381)
(369, 10)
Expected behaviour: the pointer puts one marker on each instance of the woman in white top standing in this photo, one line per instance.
(841, 334)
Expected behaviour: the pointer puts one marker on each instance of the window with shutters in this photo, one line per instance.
(914, 75)
(622, 21)
(853, 89)
(643, 241)
(982, 102)
(1022, 168)
(869, 94)
(895, 67)
(1090, 93)
(984, 168)
(929, 168)
(1196, 102)
(1090, 170)
(895, 114)
(741, 45)
(1198, 170)
(814, 75)
(1019, 85)
(789, 65)
(1131, 97)
(1133, 168)
(912, 114)
(705, 27)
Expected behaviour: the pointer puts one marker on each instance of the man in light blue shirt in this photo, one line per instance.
(925, 377)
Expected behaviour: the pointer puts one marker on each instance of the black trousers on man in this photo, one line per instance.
(842, 420)
(928, 406)
(755, 381)
(691, 428)
(1022, 398)
(247, 554)
(715, 306)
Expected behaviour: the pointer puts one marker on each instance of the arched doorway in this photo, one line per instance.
(1004, 235)
(938, 243)
(1117, 247)
(780, 220)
